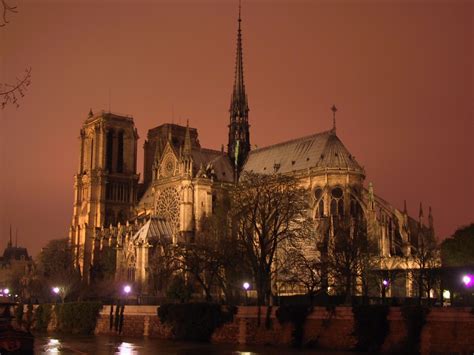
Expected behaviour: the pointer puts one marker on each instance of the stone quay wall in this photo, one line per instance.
(446, 329)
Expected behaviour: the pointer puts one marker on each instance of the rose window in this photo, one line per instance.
(168, 205)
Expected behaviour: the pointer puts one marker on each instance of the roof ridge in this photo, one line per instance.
(291, 141)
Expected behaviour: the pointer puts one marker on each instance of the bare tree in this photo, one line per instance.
(162, 266)
(303, 267)
(56, 267)
(10, 93)
(352, 256)
(426, 261)
(267, 211)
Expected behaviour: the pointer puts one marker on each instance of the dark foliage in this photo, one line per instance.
(19, 314)
(414, 317)
(370, 326)
(77, 317)
(194, 321)
(296, 315)
(42, 317)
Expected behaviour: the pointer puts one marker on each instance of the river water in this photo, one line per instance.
(66, 344)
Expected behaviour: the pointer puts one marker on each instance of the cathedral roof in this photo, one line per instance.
(220, 163)
(154, 228)
(321, 150)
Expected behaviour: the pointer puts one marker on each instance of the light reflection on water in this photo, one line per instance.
(126, 349)
(110, 345)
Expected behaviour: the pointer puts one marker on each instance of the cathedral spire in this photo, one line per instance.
(238, 146)
(334, 110)
(238, 104)
(187, 140)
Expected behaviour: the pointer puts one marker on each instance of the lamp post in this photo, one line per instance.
(126, 290)
(468, 280)
(385, 285)
(246, 286)
(59, 291)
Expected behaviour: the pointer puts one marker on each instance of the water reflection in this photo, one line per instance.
(126, 349)
(53, 346)
(98, 345)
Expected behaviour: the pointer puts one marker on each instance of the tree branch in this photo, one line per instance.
(5, 10)
(12, 93)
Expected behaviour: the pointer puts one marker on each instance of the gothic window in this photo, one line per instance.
(355, 209)
(318, 194)
(168, 205)
(120, 153)
(109, 150)
(337, 202)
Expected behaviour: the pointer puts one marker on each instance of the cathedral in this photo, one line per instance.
(182, 180)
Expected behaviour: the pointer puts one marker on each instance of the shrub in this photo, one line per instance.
(77, 317)
(29, 316)
(19, 314)
(296, 315)
(42, 317)
(194, 321)
(414, 317)
(370, 326)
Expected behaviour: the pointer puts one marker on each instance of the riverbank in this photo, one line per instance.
(445, 329)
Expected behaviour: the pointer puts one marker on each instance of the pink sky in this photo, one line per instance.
(400, 73)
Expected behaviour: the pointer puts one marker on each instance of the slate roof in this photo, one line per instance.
(219, 160)
(14, 253)
(321, 150)
(155, 228)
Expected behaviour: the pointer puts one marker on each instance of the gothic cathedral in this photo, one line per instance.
(182, 181)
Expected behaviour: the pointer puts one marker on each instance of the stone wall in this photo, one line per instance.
(446, 329)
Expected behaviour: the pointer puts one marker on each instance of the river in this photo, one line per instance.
(98, 345)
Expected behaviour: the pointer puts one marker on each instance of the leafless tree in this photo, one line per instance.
(352, 256)
(267, 211)
(10, 93)
(162, 266)
(426, 261)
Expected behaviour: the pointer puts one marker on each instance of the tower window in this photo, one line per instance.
(120, 153)
(109, 150)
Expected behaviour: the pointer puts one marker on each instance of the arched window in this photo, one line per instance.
(337, 202)
(318, 194)
(120, 153)
(109, 150)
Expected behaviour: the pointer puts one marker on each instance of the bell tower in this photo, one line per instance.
(239, 135)
(105, 186)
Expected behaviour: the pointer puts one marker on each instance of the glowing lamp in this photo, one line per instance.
(468, 280)
(127, 289)
(56, 290)
(246, 286)
(446, 294)
(6, 291)
(385, 283)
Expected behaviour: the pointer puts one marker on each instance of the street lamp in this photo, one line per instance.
(246, 286)
(385, 284)
(127, 289)
(59, 291)
(468, 280)
(6, 291)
